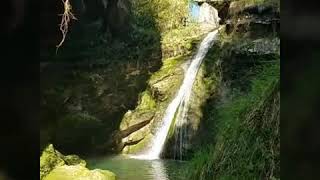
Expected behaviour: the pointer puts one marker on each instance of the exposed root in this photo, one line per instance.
(66, 17)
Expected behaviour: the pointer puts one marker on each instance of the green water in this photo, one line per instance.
(133, 169)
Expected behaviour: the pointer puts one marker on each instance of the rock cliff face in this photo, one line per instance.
(162, 87)
(92, 89)
(90, 99)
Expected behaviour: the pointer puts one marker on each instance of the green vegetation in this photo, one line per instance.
(79, 172)
(181, 41)
(244, 133)
(146, 101)
(107, 84)
(160, 12)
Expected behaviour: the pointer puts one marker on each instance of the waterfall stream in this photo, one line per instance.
(180, 104)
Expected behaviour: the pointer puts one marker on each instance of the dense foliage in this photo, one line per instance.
(240, 138)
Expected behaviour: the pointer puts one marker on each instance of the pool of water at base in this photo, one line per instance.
(127, 168)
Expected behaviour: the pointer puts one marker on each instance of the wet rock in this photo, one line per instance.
(175, 148)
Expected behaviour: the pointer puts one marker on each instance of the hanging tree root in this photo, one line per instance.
(65, 19)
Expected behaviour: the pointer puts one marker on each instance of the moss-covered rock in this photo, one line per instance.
(167, 14)
(166, 81)
(51, 158)
(142, 145)
(74, 160)
(77, 172)
(147, 101)
(56, 166)
(162, 87)
(181, 41)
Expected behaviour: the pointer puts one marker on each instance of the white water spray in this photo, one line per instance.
(180, 100)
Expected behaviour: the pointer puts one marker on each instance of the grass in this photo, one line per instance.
(245, 141)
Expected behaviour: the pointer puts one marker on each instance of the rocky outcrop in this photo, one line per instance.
(209, 15)
(116, 142)
(261, 46)
(145, 118)
(54, 165)
(91, 98)
(163, 86)
(259, 19)
(243, 7)
(247, 54)
(51, 158)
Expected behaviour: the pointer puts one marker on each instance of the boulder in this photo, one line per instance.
(77, 172)
(56, 166)
(51, 158)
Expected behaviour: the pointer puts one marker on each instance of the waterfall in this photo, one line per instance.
(180, 103)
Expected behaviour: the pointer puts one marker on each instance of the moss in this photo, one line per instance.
(181, 41)
(79, 172)
(168, 68)
(54, 166)
(146, 101)
(50, 159)
(166, 13)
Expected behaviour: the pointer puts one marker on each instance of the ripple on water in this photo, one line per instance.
(136, 169)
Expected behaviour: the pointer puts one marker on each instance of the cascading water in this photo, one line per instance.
(180, 103)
